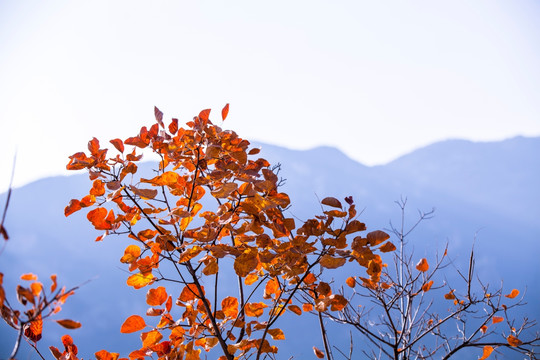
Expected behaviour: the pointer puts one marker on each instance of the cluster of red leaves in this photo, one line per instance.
(39, 305)
(248, 226)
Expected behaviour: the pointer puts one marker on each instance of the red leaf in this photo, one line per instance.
(93, 146)
(204, 115)
(225, 112)
(173, 126)
(118, 144)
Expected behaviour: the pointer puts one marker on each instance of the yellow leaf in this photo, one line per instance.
(139, 280)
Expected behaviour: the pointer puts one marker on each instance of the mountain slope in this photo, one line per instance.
(485, 190)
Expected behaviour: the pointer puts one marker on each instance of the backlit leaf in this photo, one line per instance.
(350, 282)
(151, 338)
(132, 324)
(246, 263)
(497, 319)
(229, 306)
(295, 309)
(69, 324)
(166, 179)
(422, 265)
(146, 194)
(157, 296)
(34, 330)
(276, 334)
(139, 280)
(131, 254)
(255, 309)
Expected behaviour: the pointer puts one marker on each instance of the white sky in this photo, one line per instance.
(375, 79)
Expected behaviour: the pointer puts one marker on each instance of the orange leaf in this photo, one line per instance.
(151, 338)
(105, 355)
(229, 305)
(29, 277)
(486, 352)
(156, 297)
(512, 294)
(376, 237)
(318, 353)
(131, 254)
(118, 144)
(331, 201)
(255, 309)
(450, 295)
(513, 341)
(139, 280)
(36, 288)
(307, 307)
(483, 329)
(427, 286)
(330, 262)
(422, 265)
(166, 179)
(69, 324)
(350, 282)
(276, 334)
(132, 324)
(387, 247)
(295, 309)
(225, 112)
(246, 262)
(54, 284)
(74, 205)
(250, 279)
(338, 302)
(497, 319)
(205, 114)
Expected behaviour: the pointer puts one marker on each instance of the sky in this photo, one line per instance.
(375, 79)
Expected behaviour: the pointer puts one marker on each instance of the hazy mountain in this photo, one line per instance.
(488, 191)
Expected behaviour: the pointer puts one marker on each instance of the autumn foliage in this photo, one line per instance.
(212, 208)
